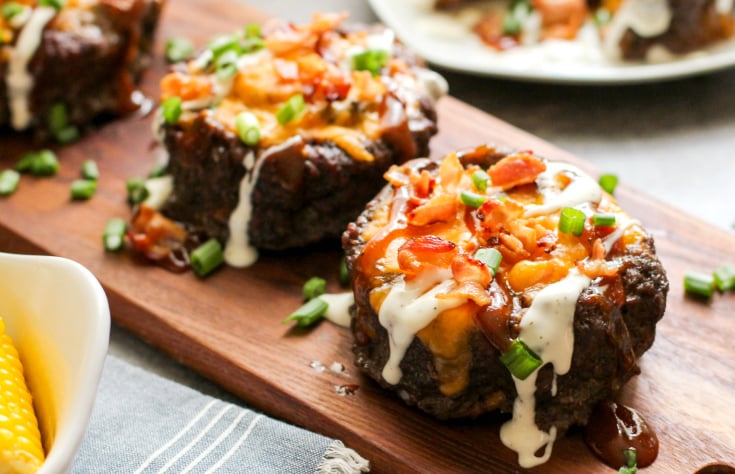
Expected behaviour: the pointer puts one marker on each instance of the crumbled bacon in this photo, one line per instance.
(154, 235)
(185, 86)
(515, 170)
(440, 208)
(596, 265)
(426, 251)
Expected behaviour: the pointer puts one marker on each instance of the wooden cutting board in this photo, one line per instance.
(228, 327)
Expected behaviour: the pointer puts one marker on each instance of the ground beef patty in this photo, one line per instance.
(330, 108)
(89, 56)
(461, 265)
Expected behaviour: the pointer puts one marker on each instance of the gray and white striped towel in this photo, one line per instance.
(143, 423)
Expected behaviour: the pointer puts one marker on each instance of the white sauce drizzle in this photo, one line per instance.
(582, 189)
(647, 18)
(547, 328)
(410, 307)
(339, 307)
(19, 20)
(723, 7)
(19, 81)
(160, 189)
(238, 251)
(622, 225)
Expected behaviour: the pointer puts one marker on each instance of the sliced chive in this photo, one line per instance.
(372, 60)
(253, 30)
(344, 273)
(226, 65)
(83, 189)
(171, 109)
(314, 287)
(9, 180)
(699, 284)
(490, 257)
(571, 221)
(114, 234)
(631, 461)
(251, 45)
(68, 134)
(157, 171)
(628, 470)
(309, 313)
(137, 190)
(480, 179)
(511, 24)
(608, 182)
(178, 49)
(223, 43)
(10, 9)
(207, 257)
(520, 360)
(90, 170)
(41, 163)
(607, 220)
(57, 4)
(602, 16)
(248, 128)
(724, 277)
(472, 199)
(57, 116)
(291, 110)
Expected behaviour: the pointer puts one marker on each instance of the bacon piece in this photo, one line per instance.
(515, 170)
(155, 235)
(468, 269)
(596, 265)
(185, 86)
(450, 172)
(440, 208)
(428, 250)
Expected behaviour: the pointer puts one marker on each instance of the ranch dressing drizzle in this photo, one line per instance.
(622, 225)
(723, 7)
(18, 80)
(581, 190)
(338, 311)
(410, 307)
(238, 251)
(547, 328)
(647, 18)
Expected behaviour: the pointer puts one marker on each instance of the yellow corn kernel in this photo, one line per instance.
(20, 440)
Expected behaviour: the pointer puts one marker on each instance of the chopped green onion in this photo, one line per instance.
(251, 45)
(10, 9)
(344, 273)
(178, 49)
(171, 109)
(725, 277)
(57, 4)
(511, 24)
(608, 182)
(226, 65)
(472, 199)
(602, 16)
(314, 287)
(68, 134)
(8, 182)
(157, 171)
(83, 189)
(372, 60)
(490, 257)
(699, 284)
(223, 43)
(291, 110)
(571, 221)
(114, 234)
(253, 30)
(520, 360)
(607, 220)
(309, 313)
(631, 461)
(42, 163)
(90, 170)
(57, 117)
(480, 180)
(137, 190)
(208, 256)
(248, 128)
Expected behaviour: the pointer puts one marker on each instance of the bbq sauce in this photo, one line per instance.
(613, 428)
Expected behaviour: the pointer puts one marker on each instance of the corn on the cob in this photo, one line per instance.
(20, 440)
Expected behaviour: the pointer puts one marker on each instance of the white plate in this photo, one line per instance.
(446, 40)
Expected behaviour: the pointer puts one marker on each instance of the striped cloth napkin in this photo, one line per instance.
(143, 423)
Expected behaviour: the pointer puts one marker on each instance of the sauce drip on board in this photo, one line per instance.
(613, 428)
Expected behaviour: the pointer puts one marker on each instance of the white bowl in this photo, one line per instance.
(57, 314)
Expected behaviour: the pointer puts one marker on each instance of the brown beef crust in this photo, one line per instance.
(94, 70)
(611, 333)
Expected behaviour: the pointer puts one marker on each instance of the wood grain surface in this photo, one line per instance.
(228, 327)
